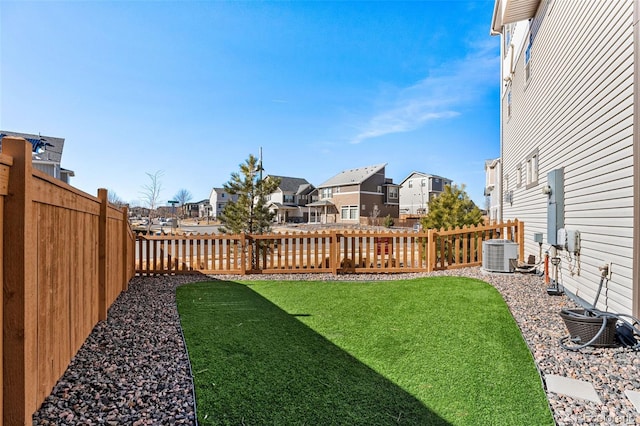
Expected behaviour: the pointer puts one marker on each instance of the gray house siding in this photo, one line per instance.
(575, 112)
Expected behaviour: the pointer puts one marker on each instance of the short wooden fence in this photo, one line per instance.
(320, 252)
(64, 258)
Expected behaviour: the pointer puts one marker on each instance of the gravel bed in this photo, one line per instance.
(133, 369)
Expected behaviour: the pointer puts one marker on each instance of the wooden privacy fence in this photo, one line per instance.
(64, 258)
(317, 252)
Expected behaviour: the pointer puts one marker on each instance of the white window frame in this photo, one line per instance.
(527, 59)
(393, 193)
(349, 212)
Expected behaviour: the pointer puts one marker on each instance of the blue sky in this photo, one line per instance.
(193, 87)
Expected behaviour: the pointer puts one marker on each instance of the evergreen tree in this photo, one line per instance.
(249, 214)
(451, 208)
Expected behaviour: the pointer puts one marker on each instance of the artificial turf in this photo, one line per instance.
(439, 350)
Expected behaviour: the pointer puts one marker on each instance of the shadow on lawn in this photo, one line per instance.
(255, 364)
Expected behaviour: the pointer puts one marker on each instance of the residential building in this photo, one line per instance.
(204, 209)
(358, 196)
(197, 209)
(570, 140)
(218, 199)
(289, 200)
(492, 190)
(416, 190)
(46, 154)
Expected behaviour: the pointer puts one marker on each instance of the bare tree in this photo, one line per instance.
(150, 194)
(183, 196)
(114, 199)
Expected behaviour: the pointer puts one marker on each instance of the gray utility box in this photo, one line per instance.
(555, 207)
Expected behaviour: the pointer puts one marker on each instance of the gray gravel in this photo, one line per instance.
(133, 368)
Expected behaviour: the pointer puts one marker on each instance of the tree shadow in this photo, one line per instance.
(255, 364)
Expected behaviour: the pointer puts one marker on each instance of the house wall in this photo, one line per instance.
(51, 169)
(276, 197)
(372, 184)
(346, 199)
(218, 200)
(576, 113)
(414, 200)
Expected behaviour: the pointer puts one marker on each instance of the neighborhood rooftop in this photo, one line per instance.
(353, 176)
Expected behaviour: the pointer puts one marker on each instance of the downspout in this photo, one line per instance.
(635, 304)
(500, 160)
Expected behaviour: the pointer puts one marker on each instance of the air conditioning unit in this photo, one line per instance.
(499, 255)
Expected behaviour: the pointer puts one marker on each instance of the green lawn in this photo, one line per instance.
(441, 350)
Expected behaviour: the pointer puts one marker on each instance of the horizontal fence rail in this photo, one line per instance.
(335, 252)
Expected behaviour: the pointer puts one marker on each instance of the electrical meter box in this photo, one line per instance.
(555, 206)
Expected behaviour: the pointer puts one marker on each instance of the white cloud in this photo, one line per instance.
(439, 96)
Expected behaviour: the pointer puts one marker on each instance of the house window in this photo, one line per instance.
(508, 31)
(436, 184)
(222, 195)
(423, 182)
(393, 193)
(519, 176)
(288, 198)
(532, 169)
(509, 103)
(326, 193)
(349, 212)
(379, 188)
(527, 59)
(410, 184)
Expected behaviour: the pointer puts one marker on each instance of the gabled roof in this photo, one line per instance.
(421, 174)
(52, 146)
(289, 184)
(353, 176)
(305, 188)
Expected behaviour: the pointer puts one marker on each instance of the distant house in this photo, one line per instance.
(570, 140)
(204, 209)
(46, 153)
(492, 189)
(358, 196)
(218, 199)
(416, 190)
(288, 201)
(197, 209)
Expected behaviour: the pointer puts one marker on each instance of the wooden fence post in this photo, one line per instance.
(20, 369)
(334, 253)
(102, 255)
(243, 255)
(520, 228)
(125, 248)
(431, 250)
(5, 163)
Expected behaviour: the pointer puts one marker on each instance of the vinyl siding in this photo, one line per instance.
(577, 111)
